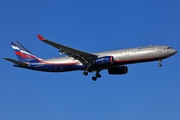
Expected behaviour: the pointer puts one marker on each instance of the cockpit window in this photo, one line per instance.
(169, 48)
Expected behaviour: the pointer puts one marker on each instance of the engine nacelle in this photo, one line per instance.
(106, 60)
(118, 70)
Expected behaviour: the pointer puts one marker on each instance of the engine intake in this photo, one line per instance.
(118, 70)
(106, 60)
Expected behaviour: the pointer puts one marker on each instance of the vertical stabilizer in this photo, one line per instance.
(23, 54)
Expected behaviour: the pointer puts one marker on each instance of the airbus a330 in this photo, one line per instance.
(113, 61)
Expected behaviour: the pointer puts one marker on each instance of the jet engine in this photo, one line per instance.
(106, 60)
(118, 70)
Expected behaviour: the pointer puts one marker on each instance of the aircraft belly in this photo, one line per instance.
(55, 68)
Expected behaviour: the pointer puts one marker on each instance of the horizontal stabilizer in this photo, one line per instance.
(16, 62)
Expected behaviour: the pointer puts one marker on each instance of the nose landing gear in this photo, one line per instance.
(160, 63)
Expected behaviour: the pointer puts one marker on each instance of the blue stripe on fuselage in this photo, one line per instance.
(55, 67)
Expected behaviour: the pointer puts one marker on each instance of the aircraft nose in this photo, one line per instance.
(174, 51)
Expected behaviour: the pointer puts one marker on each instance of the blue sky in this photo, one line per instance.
(147, 92)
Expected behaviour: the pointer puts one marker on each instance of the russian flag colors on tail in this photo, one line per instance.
(23, 54)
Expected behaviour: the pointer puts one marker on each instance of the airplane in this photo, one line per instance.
(115, 62)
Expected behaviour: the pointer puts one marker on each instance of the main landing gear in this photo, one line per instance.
(159, 62)
(85, 73)
(97, 75)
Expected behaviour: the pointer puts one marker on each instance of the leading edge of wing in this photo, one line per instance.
(82, 56)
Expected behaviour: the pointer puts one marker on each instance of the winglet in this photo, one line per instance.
(40, 37)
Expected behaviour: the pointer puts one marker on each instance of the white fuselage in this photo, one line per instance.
(125, 56)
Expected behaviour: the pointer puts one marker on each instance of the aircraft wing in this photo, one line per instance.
(84, 57)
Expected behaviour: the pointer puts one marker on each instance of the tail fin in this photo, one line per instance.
(23, 54)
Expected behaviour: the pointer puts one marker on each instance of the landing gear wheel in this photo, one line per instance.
(85, 73)
(159, 62)
(98, 75)
(94, 78)
(160, 65)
